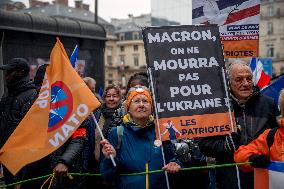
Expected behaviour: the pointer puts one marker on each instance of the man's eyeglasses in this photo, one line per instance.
(243, 80)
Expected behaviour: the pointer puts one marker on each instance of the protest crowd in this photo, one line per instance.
(128, 125)
(116, 140)
(204, 109)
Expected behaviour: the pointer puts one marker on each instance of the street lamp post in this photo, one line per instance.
(96, 11)
(1, 63)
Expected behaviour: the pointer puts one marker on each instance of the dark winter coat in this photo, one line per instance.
(14, 106)
(111, 118)
(74, 154)
(258, 114)
(107, 119)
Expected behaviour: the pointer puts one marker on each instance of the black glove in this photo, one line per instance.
(259, 161)
(236, 138)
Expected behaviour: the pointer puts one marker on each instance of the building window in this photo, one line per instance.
(109, 82)
(278, 55)
(269, 28)
(109, 60)
(282, 70)
(121, 37)
(135, 35)
(121, 48)
(270, 11)
(135, 47)
(122, 59)
(110, 75)
(273, 72)
(109, 51)
(270, 52)
(278, 12)
(136, 60)
(123, 80)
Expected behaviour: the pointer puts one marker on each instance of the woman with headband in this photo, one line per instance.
(137, 150)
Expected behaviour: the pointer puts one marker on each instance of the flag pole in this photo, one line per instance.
(158, 124)
(74, 56)
(232, 125)
(101, 133)
(227, 96)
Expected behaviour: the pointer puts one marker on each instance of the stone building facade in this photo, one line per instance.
(271, 42)
(124, 54)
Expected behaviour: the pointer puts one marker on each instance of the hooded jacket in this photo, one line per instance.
(137, 148)
(259, 146)
(14, 106)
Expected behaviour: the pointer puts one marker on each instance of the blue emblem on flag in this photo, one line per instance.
(61, 105)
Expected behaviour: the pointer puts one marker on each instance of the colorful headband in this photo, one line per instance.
(136, 91)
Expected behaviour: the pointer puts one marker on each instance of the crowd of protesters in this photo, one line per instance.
(127, 122)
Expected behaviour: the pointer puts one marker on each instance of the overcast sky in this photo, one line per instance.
(114, 8)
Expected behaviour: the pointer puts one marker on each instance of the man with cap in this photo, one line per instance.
(16, 101)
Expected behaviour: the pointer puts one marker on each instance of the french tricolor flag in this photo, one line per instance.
(260, 78)
(270, 178)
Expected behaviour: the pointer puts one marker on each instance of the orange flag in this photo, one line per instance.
(63, 104)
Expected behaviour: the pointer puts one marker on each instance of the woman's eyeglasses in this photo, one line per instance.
(140, 101)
